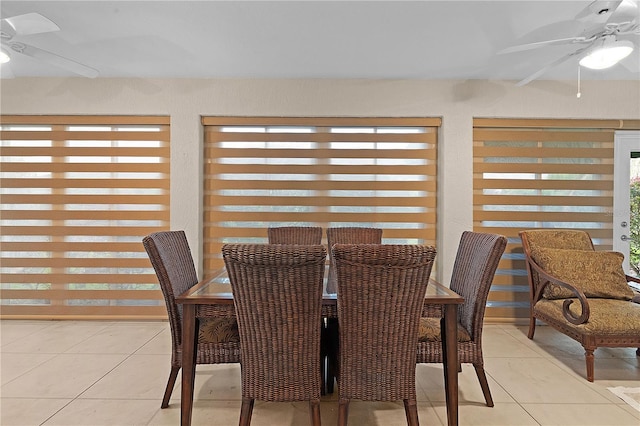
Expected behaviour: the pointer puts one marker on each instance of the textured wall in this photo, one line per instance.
(457, 102)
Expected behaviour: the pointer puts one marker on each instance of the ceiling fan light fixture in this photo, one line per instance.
(4, 56)
(607, 55)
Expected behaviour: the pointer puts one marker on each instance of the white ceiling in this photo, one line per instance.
(308, 39)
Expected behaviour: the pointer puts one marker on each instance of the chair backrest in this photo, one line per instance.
(305, 235)
(348, 235)
(172, 261)
(381, 290)
(532, 239)
(473, 271)
(557, 238)
(277, 292)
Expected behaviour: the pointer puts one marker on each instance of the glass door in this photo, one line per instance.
(626, 201)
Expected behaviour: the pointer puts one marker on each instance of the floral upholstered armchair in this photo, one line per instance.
(581, 292)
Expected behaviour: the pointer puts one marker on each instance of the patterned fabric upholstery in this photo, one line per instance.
(218, 330)
(608, 316)
(429, 331)
(559, 238)
(596, 273)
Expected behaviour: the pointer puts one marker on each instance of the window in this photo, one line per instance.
(78, 195)
(262, 172)
(540, 174)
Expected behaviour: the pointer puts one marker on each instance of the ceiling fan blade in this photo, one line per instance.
(549, 66)
(537, 44)
(31, 23)
(53, 59)
(600, 10)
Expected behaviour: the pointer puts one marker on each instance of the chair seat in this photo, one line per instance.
(608, 316)
(218, 330)
(429, 331)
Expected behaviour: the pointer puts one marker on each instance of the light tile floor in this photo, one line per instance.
(114, 373)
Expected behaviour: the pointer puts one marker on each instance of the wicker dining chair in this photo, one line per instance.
(341, 235)
(277, 291)
(473, 271)
(381, 290)
(305, 235)
(218, 338)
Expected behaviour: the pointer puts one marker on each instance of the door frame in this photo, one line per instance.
(625, 142)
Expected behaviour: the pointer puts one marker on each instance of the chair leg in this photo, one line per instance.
(314, 411)
(332, 354)
(484, 384)
(170, 384)
(532, 326)
(343, 411)
(411, 411)
(245, 411)
(324, 352)
(589, 358)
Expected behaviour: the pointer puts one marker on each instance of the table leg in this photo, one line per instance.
(332, 352)
(450, 358)
(189, 341)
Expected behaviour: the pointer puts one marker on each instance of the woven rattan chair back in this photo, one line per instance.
(473, 271)
(277, 292)
(348, 235)
(171, 259)
(304, 235)
(381, 290)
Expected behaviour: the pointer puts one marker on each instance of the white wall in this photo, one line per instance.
(457, 102)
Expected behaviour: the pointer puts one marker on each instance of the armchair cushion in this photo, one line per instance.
(597, 273)
(218, 330)
(429, 331)
(608, 317)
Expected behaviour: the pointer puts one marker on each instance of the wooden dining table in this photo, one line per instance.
(213, 297)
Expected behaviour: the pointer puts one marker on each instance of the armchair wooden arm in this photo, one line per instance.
(544, 279)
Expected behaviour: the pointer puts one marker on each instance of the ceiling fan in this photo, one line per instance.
(609, 34)
(11, 29)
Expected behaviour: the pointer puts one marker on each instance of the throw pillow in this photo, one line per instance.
(596, 273)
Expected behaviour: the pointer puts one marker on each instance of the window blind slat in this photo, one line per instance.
(321, 153)
(541, 200)
(63, 295)
(521, 168)
(541, 135)
(479, 184)
(367, 138)
(315, 201)
(553, 123)
(321, 121)
(110, 120)
(83, 183)
(86, 199)
(87, 167)
(541, 152)
(74, 312)
(324, 185)
(299, 216)
(142, 136)
(292, 169)
(63, 278)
